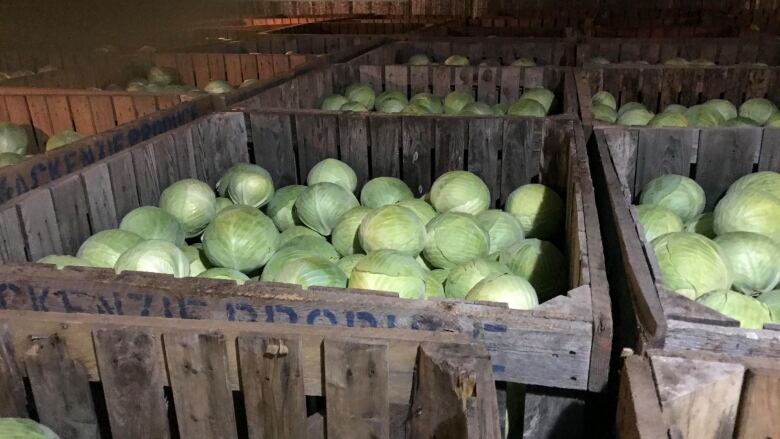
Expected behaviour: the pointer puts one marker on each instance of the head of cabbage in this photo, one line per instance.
(361, 93)
(691, 264)
(381, 191)
(462, 278)
(13, 138)
(460, 191)
(538, 208)
(154, 256)
(503, 228)
(61, 139)
(345, 236)
(388, 270)
(280, 207)
(753, 260)
(192, 202)
(320, 206)
(540, 263)
(513, 290)
(750, 313)
(677, 193)
(657, 221)
(392, 228)
(759, 110)
(153, 223)
(442, 251)
(456, 101)
(241, 238)
(333, 171)
(104, 248)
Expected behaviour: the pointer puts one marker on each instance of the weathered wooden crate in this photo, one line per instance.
(130, 377)
(564, 343)
(722, 51)
(357, 27)
(698, 396)
(243, 41)
(546, 51)
(624, 159)
(409, 8)
(488, 84)
(564, 22)
(30, 59)
(658, 86)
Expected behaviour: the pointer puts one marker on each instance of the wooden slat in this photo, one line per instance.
(450, 144)
(102, 112)
(61, 391)
(386, 144)
(316, 138)
(59, 113)
(356, 389)
(273, 142)
(197, 370)
(233, 71)
(130, 361)
(661, 152)
(13, 399)
(484, 142)
(12, 246)
(123, 184)
(418, 136)
(353, 145)
(517, 163)
(100, 197)
(72, 212)
(41, 231)
(124, 109)
(272, 382)
(638, 414)
(759, 404)
(81, 112)
(725, 155)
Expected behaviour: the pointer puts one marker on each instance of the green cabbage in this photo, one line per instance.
(674, 120)
(460, 191)
(702, 224)
(345, 233)
(432, 104)
(657, 221)
(748, 210)
(387, 270)
(456, 60)
(354, 107)
(500, 109)
(333, 171)
(513, 290)
(13, 138)
(10, 159)
(162, 75)
(599, 60)
(526, 108)
(540, 263)
(361, 93)
(677, 61)
(62, 261)
(348, 263)
(675, 108)
(197, 258)
(423, 210)
(61, 139)
(740, 122)
(691, 264)
(456, 101)
(538, 208)
(678, 193)
(391, 95)
(311, 271)
(218, 87)
(433, 288)
(604, 98)
(462, 278)
(391, 106)
(247, 184)
(192, 203)
(540, 95)
(726, 109)
(333, 103)
(444, 251)
(630, 106)
(753, 260)
(418, 60)
(381, 191)
(604, 113)
(504, 229)
(750, 313)
(294, 232)
(476, 109)
(392, 228)
(297, 248)
(524, 62)
(154, 256)
(21, 428)
(764, 181)
(225, 274)
(104, 248)
(772, 300)
(241, 238)
(280, 207)
(702, 116)
(321, 205)
(637, 117)
(153, 223)
(758, 110)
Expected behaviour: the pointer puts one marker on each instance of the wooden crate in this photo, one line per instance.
(658, 86)
(624, 159)
(698, 396)
(243, 41)
(564, 343)
(546, 51)
(564, 22)
(12, 60)
(488, 84)
(160, 378)
(355, 27)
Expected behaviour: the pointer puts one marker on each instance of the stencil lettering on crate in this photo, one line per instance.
(48, 167)
(138, 303)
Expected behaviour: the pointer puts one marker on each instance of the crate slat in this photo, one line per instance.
(13, 397)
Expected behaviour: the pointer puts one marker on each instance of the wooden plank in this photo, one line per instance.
(216, 66)
(197, 370)
(13, 399)
(725, 155)
(72, 212)
(397, 78)
(454, 395)
(100, 197)
(233, 71)
(12, 245)
(316, 139)
(759, 403)
(147, 185)
(82, 115)
(353, 145)
(41, 231)
(418, 136)
(386, 145)
(484, 141)
(272, 381)
(638, 412)
(18, 112)
(131, 372)
(273, 146)
(441, 79)
(517, 165)
(61, 390)
(623, 144)
(700, 398)
(102, 112)
(356, 389)
(144, 105)
(419, 79)
(449, 144)
(123, 184)
(39, 116)
(200, 65)
(487, 87)
(769, 159)
(249, 66)
(124, 109)
(661, 152)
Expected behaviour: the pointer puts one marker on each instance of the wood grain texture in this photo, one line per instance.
(41, 231)
(638, 410)
(725, 155)
(356, 389)
(131, 372)
(72, 212)
(197, 370)
(13, 399)
(272, 381)
(60, 387)
(759, 404)
(100, 197)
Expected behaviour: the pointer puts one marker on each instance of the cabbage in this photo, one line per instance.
(433, 288)
(538, 208)
(454, 238)
(225, 274)
(345, 234)
(431, 104)
(104, 248)
(739, 122)
(382, 191)
(13, 138)
(764, 181)
(604, 113)
(61, 139)
(154, 256)
(197, 259)
(241, 238)
(456, 60)
(630, 106)
(10, 159)
(773, 121)
(600, 60)
(418, 60)
(354, 107)
(247, 184)
(657, 221)
(21, 428)
(638, 117)
(295, 231)
(320, 206)
(218, 87)
(676, 62)
(162, 75)
(153, 223)
(675, 120)
(456, 101)
(759, 110)
(440, 274)
(297, 248)
(461, 279)
(772, 300)
(311, 271)
(680, 194)
(540, 95)
(333, 171)
(748, 210)
(62, 261)
(391, 95)
(248, 82)
(414, 109)
(753, 260)
(702, 62)
(460, 191)
(391, 106)
(192, 203)
(387, 270)
(347, 263)
(280, 207)
(675, 108)
(526, 108)
(750, 313)
(153, 88)
(513, 290)
(392, 228)
(604, 98)
(540, 263)
(503, 228)
(423, 210)
(500, 109)
(476, 109)
(726, 109)
(361, 93)
(524, 62)
(691, 264)
(702, 224)
(333, 103)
